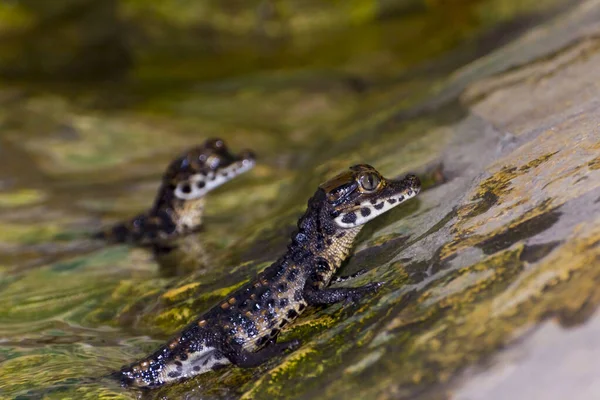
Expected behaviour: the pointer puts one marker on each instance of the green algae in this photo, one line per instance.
(21, 198)
(17, 233)
(491, 191)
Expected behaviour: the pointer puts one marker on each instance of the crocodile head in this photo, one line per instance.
(204, 168)
(191, 176)
(361, 194)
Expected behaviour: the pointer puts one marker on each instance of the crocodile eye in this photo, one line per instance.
(369, 182)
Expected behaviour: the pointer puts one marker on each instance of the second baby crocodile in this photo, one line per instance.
(242, 329)
(179, 204)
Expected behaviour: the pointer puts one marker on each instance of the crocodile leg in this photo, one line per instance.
(339, 279)
(246, 359)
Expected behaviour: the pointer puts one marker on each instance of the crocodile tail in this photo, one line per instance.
(143, 229)
(171, 363)
(119, 233)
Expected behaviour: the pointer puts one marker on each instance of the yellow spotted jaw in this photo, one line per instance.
(368, 210)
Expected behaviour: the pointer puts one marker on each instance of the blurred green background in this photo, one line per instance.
(166, 42)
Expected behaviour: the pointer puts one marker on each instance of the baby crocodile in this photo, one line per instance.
(243, 328)
(179, 204)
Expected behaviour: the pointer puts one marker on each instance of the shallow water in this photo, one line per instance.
(383, 89)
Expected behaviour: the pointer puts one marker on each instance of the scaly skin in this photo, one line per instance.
(243, 328)
(179, 203)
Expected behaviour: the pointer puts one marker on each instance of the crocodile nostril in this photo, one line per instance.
(200, 184)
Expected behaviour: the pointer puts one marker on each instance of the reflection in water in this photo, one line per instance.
(181, 257)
